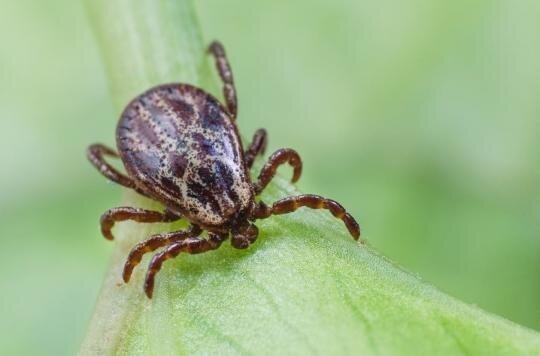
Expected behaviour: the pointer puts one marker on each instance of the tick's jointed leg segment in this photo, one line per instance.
(153, 243)
(224, 70)
(96, 153)
(290, 204)
(128, 213)
(278, 158)
(191, 245)
(257, 147)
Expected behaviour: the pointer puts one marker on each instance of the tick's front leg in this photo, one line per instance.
(281, 156)
(128, 213)
(290, 204)
(257, 147)
(153, 243)
(191, 245)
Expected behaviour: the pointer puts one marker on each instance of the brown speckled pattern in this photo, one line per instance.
(184, 150)
(180, 146)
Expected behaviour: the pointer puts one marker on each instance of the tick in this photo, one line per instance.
(180, 146)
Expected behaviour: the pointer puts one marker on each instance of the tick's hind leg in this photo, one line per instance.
(290, 204)
(278, 158)
(225, 73)
(153, 243)
(257, 147)
(127, 213)
(96, 153)
(191, 245)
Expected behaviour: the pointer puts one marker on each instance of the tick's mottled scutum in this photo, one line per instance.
(180, 146)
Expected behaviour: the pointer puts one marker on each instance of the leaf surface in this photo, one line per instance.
(305, 287)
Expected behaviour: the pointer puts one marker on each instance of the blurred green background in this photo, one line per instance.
(421, 117)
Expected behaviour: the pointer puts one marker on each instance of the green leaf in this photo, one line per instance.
(305, 287)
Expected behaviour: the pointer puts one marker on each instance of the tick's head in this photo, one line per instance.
(244, 234)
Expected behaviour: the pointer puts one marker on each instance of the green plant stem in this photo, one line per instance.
(304, 287)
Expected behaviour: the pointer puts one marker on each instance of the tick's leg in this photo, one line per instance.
(191, 245)
(278, 158)
(290, 204)
(224, 69)
(153, 243)
(95, 155)
(127, 213)
(257, 147)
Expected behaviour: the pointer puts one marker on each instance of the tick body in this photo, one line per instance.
(181, 147)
